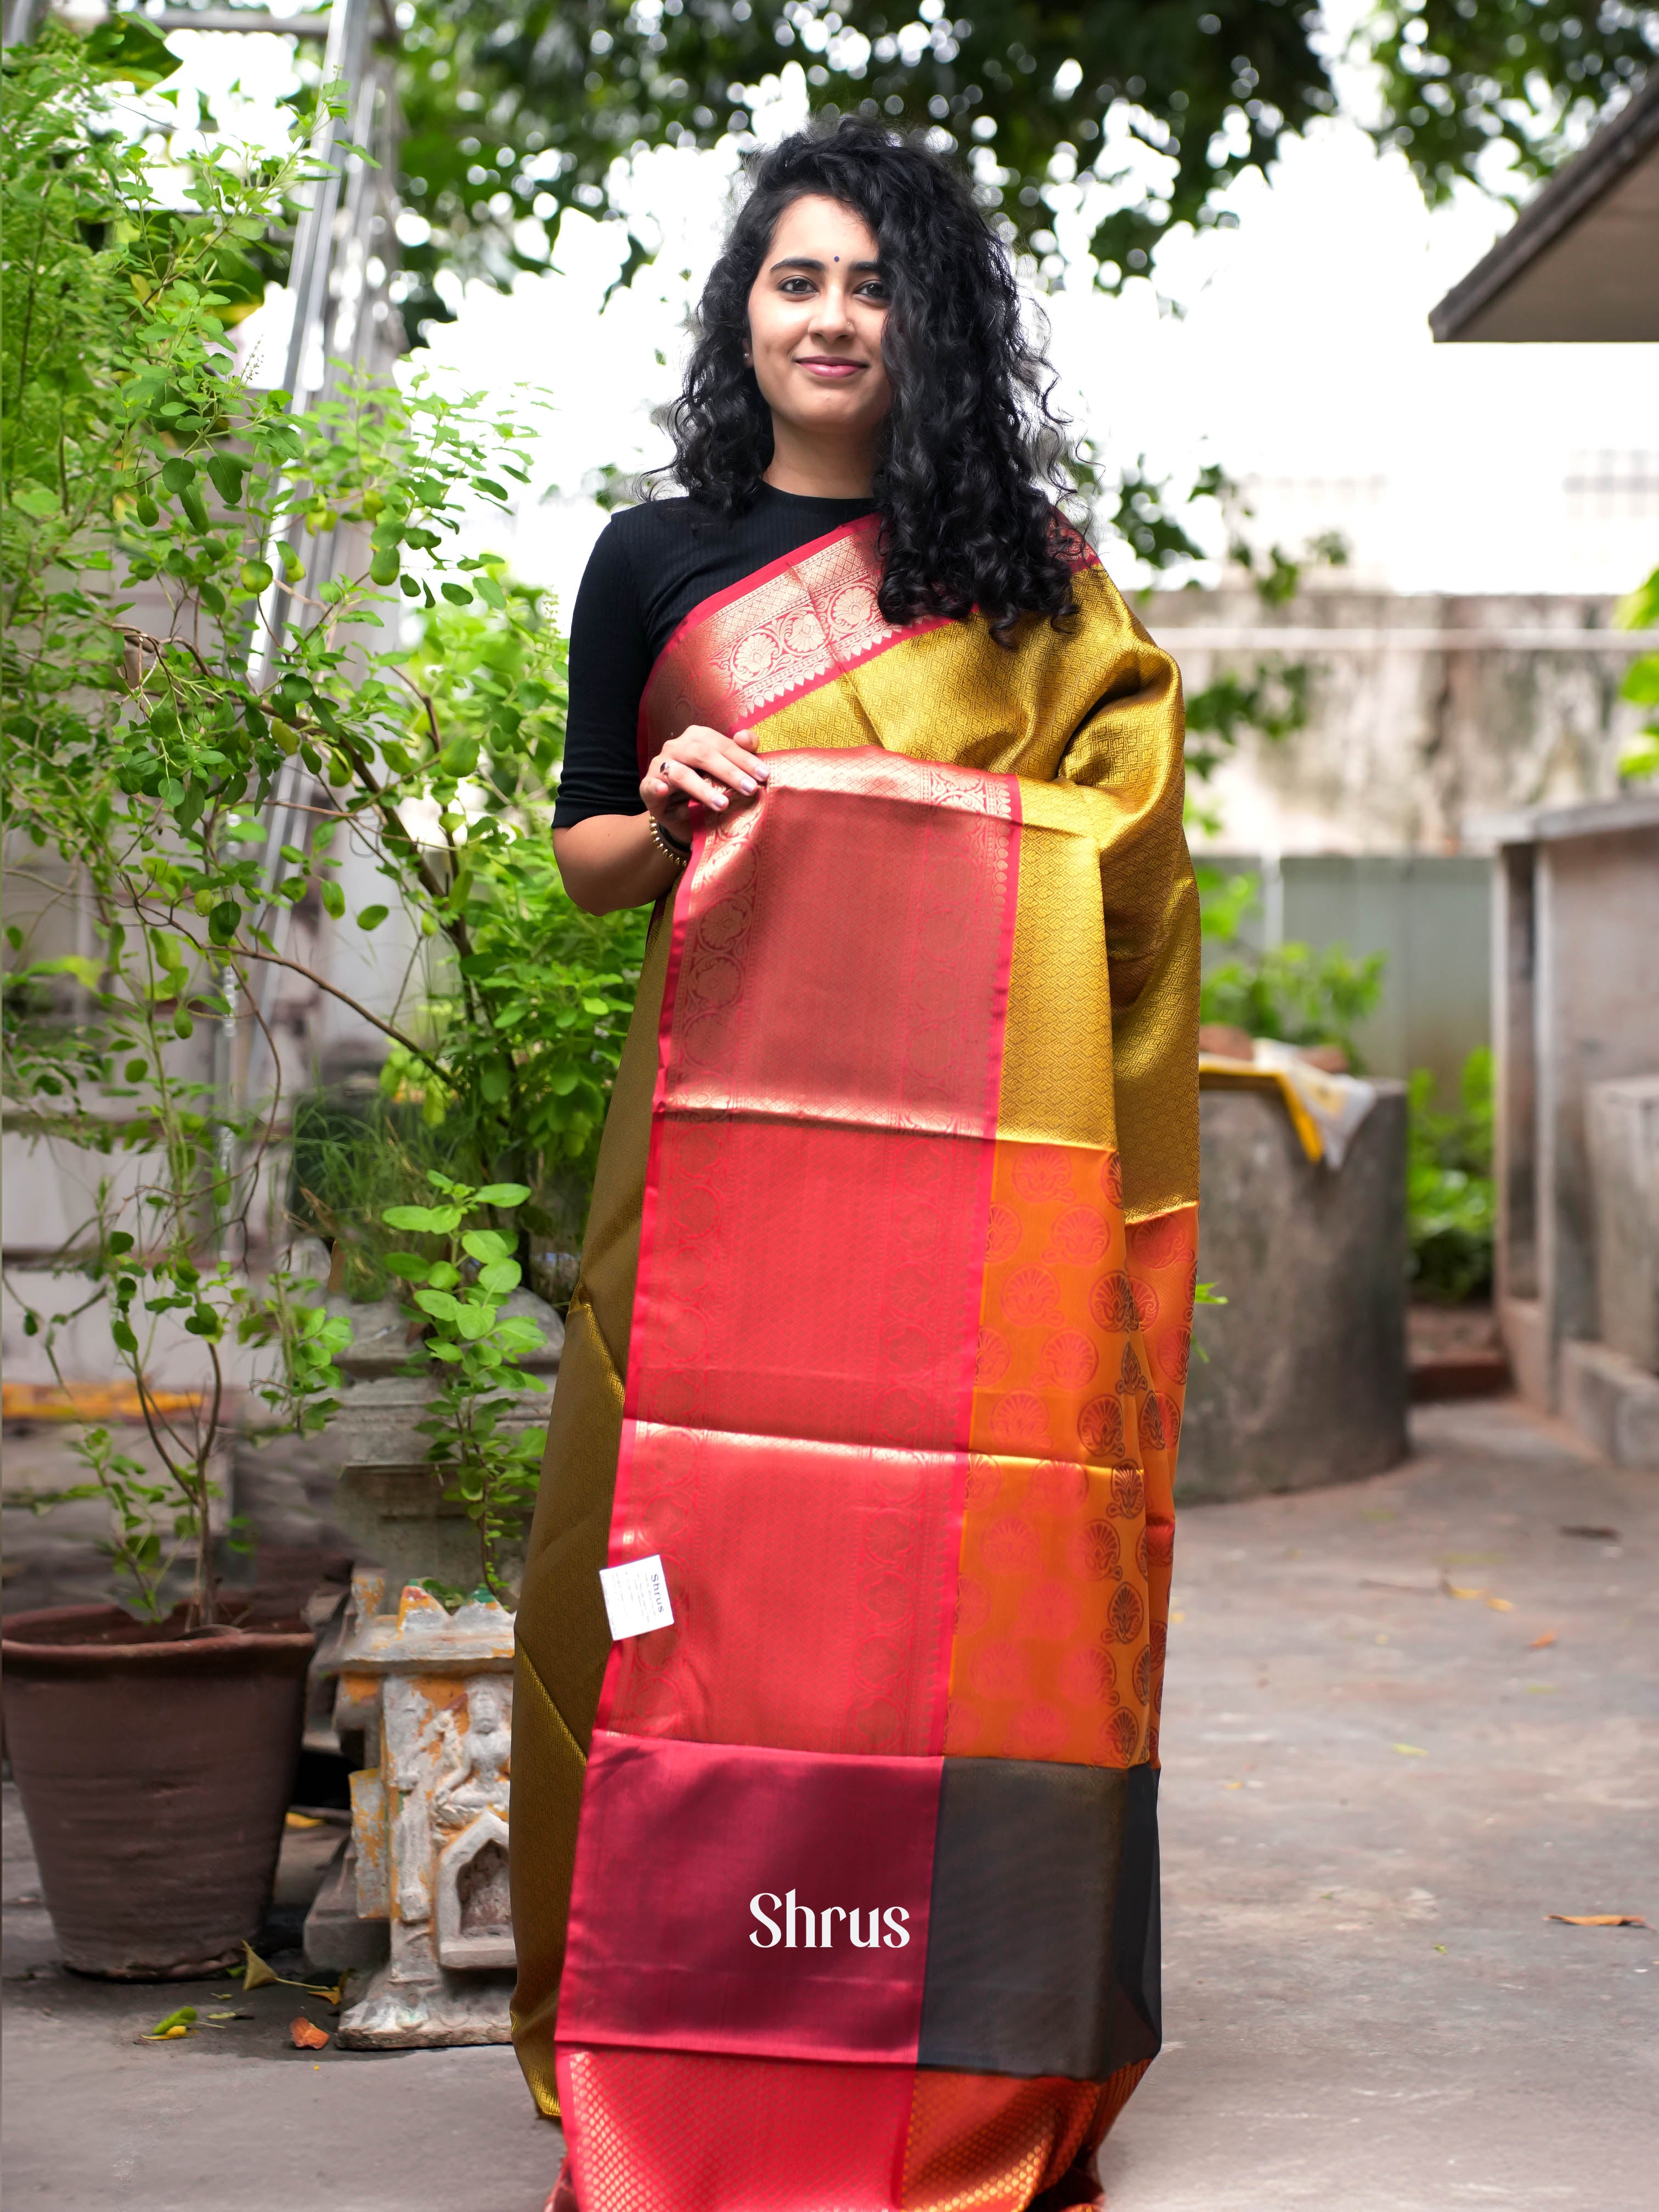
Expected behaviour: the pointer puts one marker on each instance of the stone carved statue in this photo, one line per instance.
(433, 1694)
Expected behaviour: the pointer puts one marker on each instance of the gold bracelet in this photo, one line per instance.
(671, 847)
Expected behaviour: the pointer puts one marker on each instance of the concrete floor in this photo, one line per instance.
(1376, 1792)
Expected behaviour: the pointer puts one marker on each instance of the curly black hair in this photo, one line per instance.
(971, 451)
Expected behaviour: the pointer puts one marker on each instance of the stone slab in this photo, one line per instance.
(1613, 1402)
(336, 1941)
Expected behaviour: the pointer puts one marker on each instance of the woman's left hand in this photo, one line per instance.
(701, 766)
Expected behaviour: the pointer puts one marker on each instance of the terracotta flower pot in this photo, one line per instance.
(154, 1770)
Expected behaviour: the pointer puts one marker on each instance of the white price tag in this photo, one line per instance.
(637, 1597)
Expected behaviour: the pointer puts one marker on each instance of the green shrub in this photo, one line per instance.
(156, 715)
(1451, 1200)
(1296, 994)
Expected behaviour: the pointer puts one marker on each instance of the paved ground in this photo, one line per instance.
(1376, 1790)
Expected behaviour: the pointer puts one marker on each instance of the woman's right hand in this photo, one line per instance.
(701, 768)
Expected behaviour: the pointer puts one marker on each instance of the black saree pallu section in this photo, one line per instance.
(1042, 1933)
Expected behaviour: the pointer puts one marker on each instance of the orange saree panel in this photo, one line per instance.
(839, 1893)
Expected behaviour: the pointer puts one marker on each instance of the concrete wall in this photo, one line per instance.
(1575, 924)
(1304, 1381)
(1402, 744)
(1622, 1131)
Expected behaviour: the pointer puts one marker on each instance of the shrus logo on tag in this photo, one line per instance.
(637, 1597)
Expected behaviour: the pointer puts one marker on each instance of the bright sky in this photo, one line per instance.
(1302, 363)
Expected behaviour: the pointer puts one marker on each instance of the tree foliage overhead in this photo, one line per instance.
(1459, 75)
(508, 102)
(517, 106)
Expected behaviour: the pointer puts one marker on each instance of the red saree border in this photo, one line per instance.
(1081, 555)
(801, 665)
(678, 2132)
(752, 582)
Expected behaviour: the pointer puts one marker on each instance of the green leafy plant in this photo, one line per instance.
(1451, 1199)
(1640, 757)
(1273, 701)
(492, 1472)
(1296, 993)
(1224, 900)
(184, 772)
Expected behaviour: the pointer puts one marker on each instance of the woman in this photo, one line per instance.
(838, 1892)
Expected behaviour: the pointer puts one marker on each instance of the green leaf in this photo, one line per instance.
(423, 1220)
(485, 1245)
(457, 594)
(472, 1322)
(490, 592)
(443, 1275)
(373, 916)
(408, 1266)
(178, 474)
(130, 50)
(227, 472)
(500, 1277)
(224, 920)
(518, 1333)
(441, 1306)
(333, 900)
(502, 1193)
(195, 509)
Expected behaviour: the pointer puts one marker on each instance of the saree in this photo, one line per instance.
(839, 1893)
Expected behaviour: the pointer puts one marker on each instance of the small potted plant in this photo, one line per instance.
(154, 1742)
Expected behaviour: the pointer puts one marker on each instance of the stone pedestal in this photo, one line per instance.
(432, 1694)
(1305, 1381)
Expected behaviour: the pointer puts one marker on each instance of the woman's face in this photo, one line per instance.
(815, 316)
